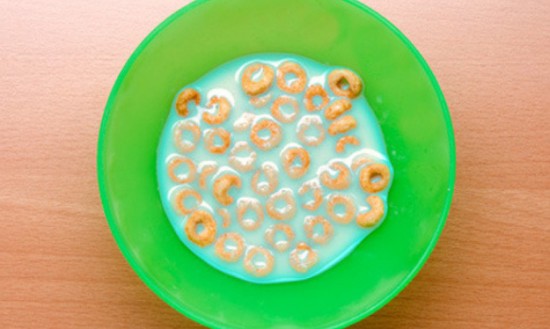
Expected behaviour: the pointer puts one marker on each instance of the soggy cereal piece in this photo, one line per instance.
(341, 181)
(304, 125)
(207, 169)
(175, 163)
(314, 187)
(261, 268)
(245, 204)
(275, 134)
(361, 160)
(374, 177)
(221, 188)
(286, 212)
(207, 235)
(232, 254)
(298, 84)
(210, 140)
(260, 101)
(277, 112)
(346, 140)
(281, 245)
(242, 164)
(342, 125)
(349, 208)
(345, 83)
(253, 85)
(226, 217)
(186, 96)
(303, 258)
(312, 93)
(181, 196)
(374, 215)
(224, 109)
(289, 157)
(271, 174)
(337, 108)
(320, 238)
(243, 122)
(183, 145)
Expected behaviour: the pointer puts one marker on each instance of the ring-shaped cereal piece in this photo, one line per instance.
(210, 140)
(243, 205)
(184, 145)
(221, 188)
(275, 134)
(346, 140)
(312, 92)
(252, 86)
(375, 213)
(271, 174)
(337, 108)
(290, 155)
(226, 217)
(296, 86)
(208, 233)
(368, 174)
(181, 196)
(340, 78)
(174, 163)
(282, 245)
(260, 101)
(224, 109)
(207, 169)
(349, 206)
(231, 255)
(278, 114)
(251, 267)
(286, 212)
(317, 191)
(309, 227)
(301, 263)
(186, 96)
(305, 123)
(242, 164)
(360, 160)
(341, 181)
(342, 125)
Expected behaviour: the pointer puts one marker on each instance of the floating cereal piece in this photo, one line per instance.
(345, 83)
(240, 163)
(303, 258)
(290, 155)
(374, 177)
(337, 108)
(317, 191)
(297, 85)
(360, 160)
(374, 215)
(208, 233)
(275, 134)
(346, 140)
(224, 109)
(243, 122)
(311, 121)
(181, 196)
(254, 86)
(309, 227)
(179, 129)
(243, 205)
(286, 212)
(222, 185)
(281, 245)
(278, 114)
(256, 268)
(342, 125)
(226, 217)
(260, 101)
(311, 93)
(341, 181)
(233, 253)
(271, 174)
(175, 163)
(349, 206)
(183, 100)
(210, 140)
(207, 170)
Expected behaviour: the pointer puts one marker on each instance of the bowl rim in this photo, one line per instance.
(204, 320)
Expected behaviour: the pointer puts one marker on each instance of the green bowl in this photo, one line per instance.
(404, 96)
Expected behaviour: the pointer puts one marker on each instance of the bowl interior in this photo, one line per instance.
(404, 96)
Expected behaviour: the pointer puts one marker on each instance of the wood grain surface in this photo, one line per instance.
(60, 267)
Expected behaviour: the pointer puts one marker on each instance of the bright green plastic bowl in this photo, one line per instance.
(402, 92)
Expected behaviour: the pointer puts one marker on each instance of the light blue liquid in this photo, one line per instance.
(225, 81)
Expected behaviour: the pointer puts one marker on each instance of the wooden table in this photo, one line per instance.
(60, 267)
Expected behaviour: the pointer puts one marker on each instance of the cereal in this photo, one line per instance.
(342, 125)
(311, 93)
(337, 108)
(243, 205)
(261, 269)
(260, 101)
(289, 156)
(374, 215)
(186, 96)
(174, 163)
(275, 134)
(210, 140)
(221, 188)
(317, 191)
(242, 164)
(341, 181)
(303, 258)
(309, 225)
(281, 245)
(243, 122)
(346, 140)
(272, 175)
(253, 86)
(179, 129)
(181, 196)
(374, 177)
(349, 206)
(360, 160)
(208, 233)
(288, 211)
(224, 109)
(226, 217)
(229, 254)
(296, 86)
(277, 113)
(345, 83)
(311, 121)
(207, 169)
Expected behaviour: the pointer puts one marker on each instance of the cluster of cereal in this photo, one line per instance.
(256, 81)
